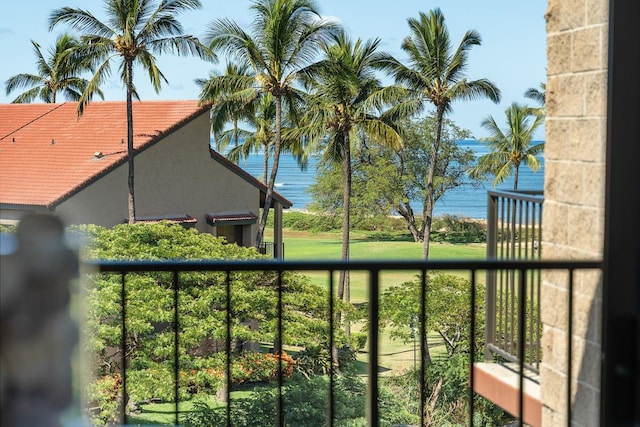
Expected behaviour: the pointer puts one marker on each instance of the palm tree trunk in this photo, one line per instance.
(274, 171)
(130, 149)
(235, 141)
(265, 164)
(344, 286)
(428, 211)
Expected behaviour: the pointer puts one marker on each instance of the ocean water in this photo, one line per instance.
(464, 201)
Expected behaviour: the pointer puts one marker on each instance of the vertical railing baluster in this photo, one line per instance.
(519, 212)
(472, 341)
(279, 353)
(176, 354)
(539, 285)
(490, 295)
(123, 298)
(531, 343)
(569, 344)
(422, 328)
(504, 289)
(332, 363)
(521, 347)
(373, 412)
(229, 379)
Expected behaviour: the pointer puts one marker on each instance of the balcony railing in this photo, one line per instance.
(520, 270)
(514, 233)
(268, 248)
(41, 262)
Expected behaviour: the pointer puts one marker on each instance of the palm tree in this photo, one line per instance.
(231, 96)
(285, 37)
(59, 72)
(511, 148)
(435, 75)
(133, 32)
(538, 95)
(342, 110)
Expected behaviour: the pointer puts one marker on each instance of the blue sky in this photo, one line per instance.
(512, 54)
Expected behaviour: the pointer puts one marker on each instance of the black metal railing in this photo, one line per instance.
(514, 232)
(521, 270)
(268, 248)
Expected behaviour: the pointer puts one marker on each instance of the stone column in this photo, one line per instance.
(37, 332)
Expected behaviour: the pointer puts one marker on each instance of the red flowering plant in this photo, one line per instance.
(255, 367)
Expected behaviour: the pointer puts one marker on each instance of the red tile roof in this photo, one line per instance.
(47, 153)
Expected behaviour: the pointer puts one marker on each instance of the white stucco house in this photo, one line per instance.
(76, 167)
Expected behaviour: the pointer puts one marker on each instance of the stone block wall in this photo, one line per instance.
(573, 219)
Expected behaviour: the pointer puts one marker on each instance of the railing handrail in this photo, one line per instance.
(373, 265)
(522, 195)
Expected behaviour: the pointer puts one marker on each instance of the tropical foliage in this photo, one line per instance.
(232, 99)
(511, 147)
(60, 72)
(305, 405)
(435, 75)
(133, 32)
(285, 37)
(344, 107)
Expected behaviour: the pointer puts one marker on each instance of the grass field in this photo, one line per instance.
(307, 246)
(304, 245)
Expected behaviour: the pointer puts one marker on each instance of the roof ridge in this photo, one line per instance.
(56, 106)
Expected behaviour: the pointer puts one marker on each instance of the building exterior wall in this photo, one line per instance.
(573, 219)
(174, 177)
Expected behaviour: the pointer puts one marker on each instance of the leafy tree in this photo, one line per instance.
(344, 106)
(366, 204)
(285, 37)
(447, 311)
(202, 310)
(133, 32)
(59, 72)
(413, 169)
(388, 180)
(435, 75)
(510, 148)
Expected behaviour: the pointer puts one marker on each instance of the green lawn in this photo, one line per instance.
(306, 246)
(327, 246)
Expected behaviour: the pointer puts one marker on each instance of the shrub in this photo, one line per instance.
(305, 404)
(358, 340)
(260, 367)
(104, 396)
(452, 229)
(313, 360)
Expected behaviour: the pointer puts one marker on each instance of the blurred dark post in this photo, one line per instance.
(37, 333)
